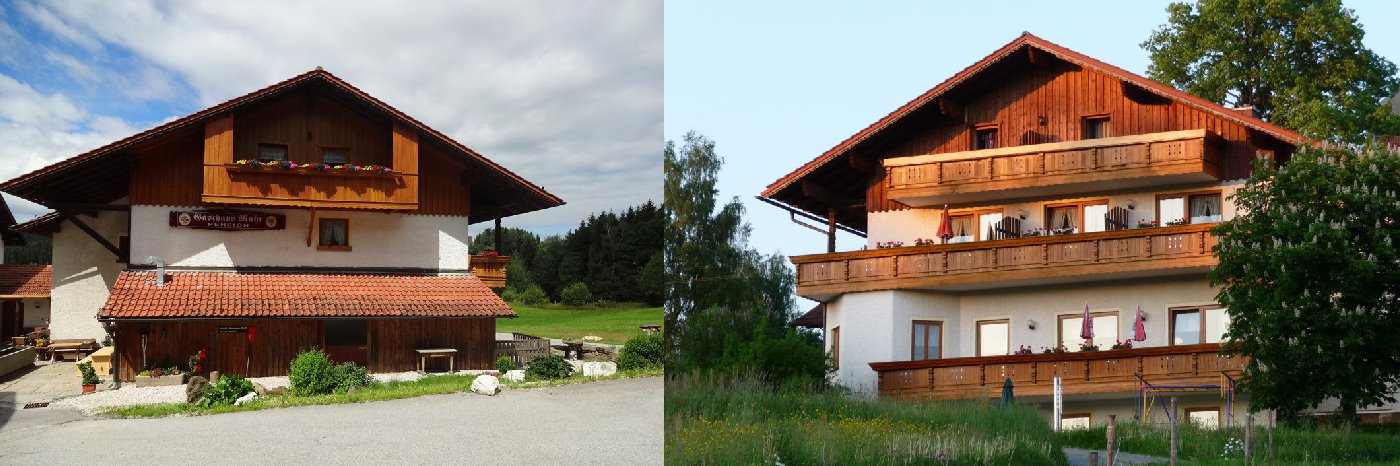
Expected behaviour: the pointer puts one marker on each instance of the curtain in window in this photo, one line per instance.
(1171, 210)
(333, 233)
(1094, 217)
(1205, 209)
(1064, 217)
(988, 224)
(963, 229)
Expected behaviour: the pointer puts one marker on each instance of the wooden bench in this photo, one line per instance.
(449, 353)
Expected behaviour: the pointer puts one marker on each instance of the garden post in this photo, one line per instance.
(1248, 438)
(1093, 458)
(1271, 434)
(1171, 419)
(1112, 437)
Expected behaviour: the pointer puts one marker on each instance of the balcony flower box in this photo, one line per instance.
(253, 166)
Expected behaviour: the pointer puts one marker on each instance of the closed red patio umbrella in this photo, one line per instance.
(1087, 330)
(945, 225)
(1139, 330)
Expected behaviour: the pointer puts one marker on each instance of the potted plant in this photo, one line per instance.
(89, 377)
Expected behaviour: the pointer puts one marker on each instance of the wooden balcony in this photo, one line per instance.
(1052, 169)
(490, 269)
(1081, 372)
(1008, 263)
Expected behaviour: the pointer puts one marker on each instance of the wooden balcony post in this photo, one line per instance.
(830, 230)
(500, 247)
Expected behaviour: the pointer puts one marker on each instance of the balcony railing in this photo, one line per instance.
(1055, 168)
(1008, 262)
(235, 184)
(490, 269)
(1080, 372)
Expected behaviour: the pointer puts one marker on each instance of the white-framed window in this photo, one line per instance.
(1196, 325)
(1105, 329)
(1192, 208)
(994, 337)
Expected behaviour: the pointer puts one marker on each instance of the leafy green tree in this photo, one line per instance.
(1300, 63)
(1310, 272)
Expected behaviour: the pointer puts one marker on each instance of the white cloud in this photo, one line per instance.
(567, 94)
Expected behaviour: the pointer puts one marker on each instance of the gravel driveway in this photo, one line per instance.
(607, 422)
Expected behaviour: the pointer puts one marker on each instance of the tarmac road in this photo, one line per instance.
(609, 422)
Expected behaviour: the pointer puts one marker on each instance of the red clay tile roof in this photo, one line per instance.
(193, 295)
(1030, 40)
(25, 281)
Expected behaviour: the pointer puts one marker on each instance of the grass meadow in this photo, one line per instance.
(713, 420)
(614, 324)
(1203, 446)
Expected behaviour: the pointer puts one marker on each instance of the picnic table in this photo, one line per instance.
(78, 348)
(650, 328)
(571, 347)
(424, 354)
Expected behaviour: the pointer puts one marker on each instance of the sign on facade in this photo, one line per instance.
(227, 220)
(233, 329)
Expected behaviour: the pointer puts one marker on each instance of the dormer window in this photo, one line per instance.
(272, 152)
(335, 155)
(984, 137)
(1096, 127)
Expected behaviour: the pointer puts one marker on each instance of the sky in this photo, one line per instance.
(566, 94)
(775, 84)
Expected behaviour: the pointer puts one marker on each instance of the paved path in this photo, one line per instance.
(44, 382)
(608, 422)
(1080, 457)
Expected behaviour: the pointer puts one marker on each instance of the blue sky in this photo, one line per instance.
(775, 84)
(567, 95)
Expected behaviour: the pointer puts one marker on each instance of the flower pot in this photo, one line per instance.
(89, 387)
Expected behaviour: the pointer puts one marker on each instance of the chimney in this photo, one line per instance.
(160, 270)
(1246, 110)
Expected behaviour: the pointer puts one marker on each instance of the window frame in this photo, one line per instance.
(320, 223)
(1087, 416)
(1186, 208)
(984, 128)
(976, 215)
(1084, 124)
(835, 347)
(1200, 321)
(1080, 205)
(1060, 326)
(980, 323)
(1219, 414)
(286, 152)
(913, 329)
(341, 149)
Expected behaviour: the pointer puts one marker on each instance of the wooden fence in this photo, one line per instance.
(522, 348)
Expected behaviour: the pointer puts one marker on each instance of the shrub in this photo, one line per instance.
(532, 296)
(641, 352)
(89, 374)
(311, 373)
(347, 375)
(510, 295)
(505, 364)
(228, 390)
(576, 294)
(549, 367)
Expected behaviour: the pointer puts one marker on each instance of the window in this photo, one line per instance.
(927, 340)
(984, 137)
(271, 152)
(974, 226)
(1075, 421)
(836, 347)
(1188, 208)
(1196, 325)
(994, 337)
(335, 234)
(1081, 217)
(1096, 126)
(1105, 329)
(1204, 417)
(335, 155)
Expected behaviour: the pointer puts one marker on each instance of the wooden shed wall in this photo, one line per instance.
(307, 125)
(441, 189)
(1064, 94)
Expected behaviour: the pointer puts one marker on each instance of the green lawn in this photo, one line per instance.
(724, 420)
(614, 324)
(1199, 446)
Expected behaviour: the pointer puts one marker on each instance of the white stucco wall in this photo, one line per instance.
(376, 240)
(866, 324)
(36, 312)
(83, 275)
(911, 224)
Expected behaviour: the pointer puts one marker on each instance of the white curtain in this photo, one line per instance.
(1064, 217)
(995, 339)
(988, 224)
(1094, 217)
(1205, 209)
(963, 229)
(1171, 209)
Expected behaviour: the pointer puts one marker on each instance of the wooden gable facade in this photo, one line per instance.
(1029, 92)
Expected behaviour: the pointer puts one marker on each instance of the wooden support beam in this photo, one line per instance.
(827, 196)
(116, 251)
(864, 164)
(1137, 94)
(830, 230)
(84, 206)
(951, 110)
(1039, 58)
(496, 233)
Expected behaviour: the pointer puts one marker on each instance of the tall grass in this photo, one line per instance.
(1209, 446)
(741, 420)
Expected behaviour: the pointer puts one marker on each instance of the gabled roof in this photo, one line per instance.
(25, 281)
(1026, 40)
(7, 223)
(97, 163)
(202, 294)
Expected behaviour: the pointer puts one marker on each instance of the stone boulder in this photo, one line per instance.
(243, 400)
(277, 391)
(259, 389)
(486, 385)
(598, 369)
(194, 390)
(514, 376)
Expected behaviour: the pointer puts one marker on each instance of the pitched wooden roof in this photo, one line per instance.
(100, 173)
(208, 294)
(969, 77)
(7, 223)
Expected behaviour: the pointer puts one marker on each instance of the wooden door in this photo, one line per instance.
(11, 319)
(230, 353)
(347, 341)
